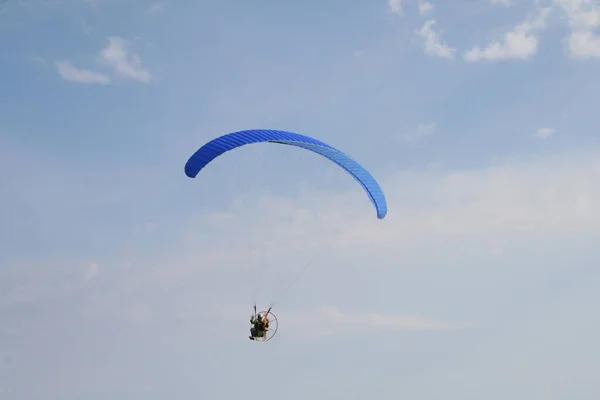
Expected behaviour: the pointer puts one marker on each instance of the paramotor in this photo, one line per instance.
(264, 323)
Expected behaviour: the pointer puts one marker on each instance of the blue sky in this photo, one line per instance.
(120, 277)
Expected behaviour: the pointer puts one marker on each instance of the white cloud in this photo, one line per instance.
(519, 43)
(584, 45)
(125, 63)
(117, 55)
(70, 73)
(582, 14)
(433, 43)
(395, 6)
(425, 7)
(584, 18)
(421, 131)
(545, 132)
(501, 2)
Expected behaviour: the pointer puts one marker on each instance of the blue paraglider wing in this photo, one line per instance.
(220, 145)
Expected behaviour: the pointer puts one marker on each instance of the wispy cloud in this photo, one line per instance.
(420, 131)
(39, 60)
(520, 43)
(70, 73)
(425, 7)
(156, 8)
(92, 271)
(118, 56)
(137, 312)
(125, 63)
(43, 280)
(433, 43)
(331, 320)
(395, 6)
(545, 132)
(86, 28)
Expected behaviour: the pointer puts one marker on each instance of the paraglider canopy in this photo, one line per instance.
(220, 145)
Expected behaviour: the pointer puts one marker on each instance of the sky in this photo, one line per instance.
(122, 278)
